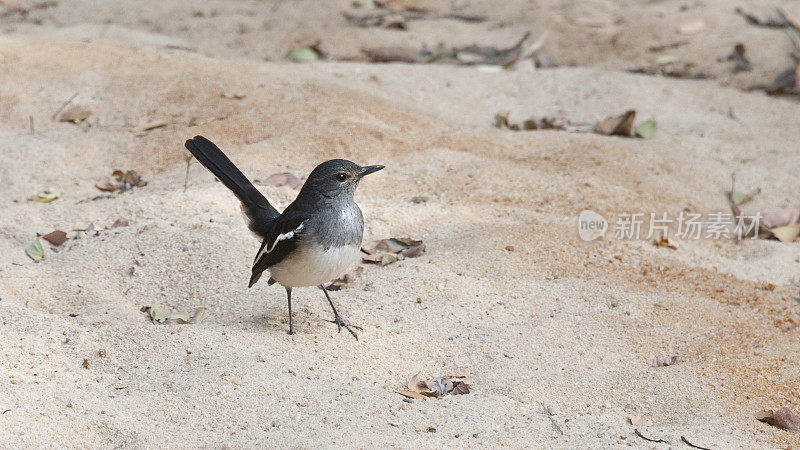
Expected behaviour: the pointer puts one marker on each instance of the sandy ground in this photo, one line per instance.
(556, 322)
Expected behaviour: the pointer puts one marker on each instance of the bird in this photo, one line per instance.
(316, 239)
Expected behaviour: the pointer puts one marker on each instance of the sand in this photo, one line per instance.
(556, 322)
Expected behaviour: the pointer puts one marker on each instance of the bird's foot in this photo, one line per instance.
(341, 323)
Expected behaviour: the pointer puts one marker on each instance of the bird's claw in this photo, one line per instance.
(341, 323)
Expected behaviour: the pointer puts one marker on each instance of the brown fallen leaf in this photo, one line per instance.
(145, 125)
(621, 125)
(454, 383)
(783, 418)
(396, 245)
(120, 223)
(121, 181)
(347, 280)
(56, 237)
(388, 251)
(281, 179)
(664, 241)
(419, 386)
(413, 251)
(639, 421)
(408, 393)
(383, 259)
(75, 114)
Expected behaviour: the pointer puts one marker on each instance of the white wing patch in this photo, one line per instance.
(281, 237)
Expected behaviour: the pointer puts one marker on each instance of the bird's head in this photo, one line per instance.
(335, 178)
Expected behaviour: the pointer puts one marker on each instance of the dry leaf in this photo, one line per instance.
(234, 95)
(410, 394)
(120, 223)
(74, 114)
(46, 196)
(455, 383)
(786, 233)
(440, 386)
(56, 237)
(617, 125)
(145, 125)
(388, 251)
(347, 280)
(383, 259)
(418, 386)
(783, 418)
(121, 181)
(664, 241)
(639, 421)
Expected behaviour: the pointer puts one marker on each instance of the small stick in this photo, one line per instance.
(553, 421)
(636, 432)
(30, 120)
(686, 441)
(186, 179)
(64, 105)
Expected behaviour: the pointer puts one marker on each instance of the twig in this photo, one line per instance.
(661, 441)
(535, 47)
(791, 27)
(553, 421)
(686, 441)
(186, 179)
(64, 105)
(753, 20)
(30, 120)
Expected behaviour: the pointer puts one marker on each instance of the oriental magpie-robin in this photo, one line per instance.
(316, 239)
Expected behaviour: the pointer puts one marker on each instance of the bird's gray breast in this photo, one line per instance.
(338, 226)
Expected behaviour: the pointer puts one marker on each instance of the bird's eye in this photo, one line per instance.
(340, 177)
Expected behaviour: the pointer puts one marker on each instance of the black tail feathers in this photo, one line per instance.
(259, 212)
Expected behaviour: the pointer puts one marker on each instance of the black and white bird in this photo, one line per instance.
(315, 240)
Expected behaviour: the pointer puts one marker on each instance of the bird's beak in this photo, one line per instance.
(368, 170)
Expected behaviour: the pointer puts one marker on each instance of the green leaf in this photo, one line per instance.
(304, 54)
(158, 314)
(161, 315)
(646, 129)
(35, 250)
(663, 60)
(738, 197)
(47, 195)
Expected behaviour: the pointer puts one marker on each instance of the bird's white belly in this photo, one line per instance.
(312, 266)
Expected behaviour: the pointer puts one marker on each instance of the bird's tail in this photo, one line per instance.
(259, 212)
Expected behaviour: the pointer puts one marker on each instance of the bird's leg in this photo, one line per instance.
(289, 298)
(337, 319)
